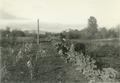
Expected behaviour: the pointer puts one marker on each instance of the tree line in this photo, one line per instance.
(92, 31)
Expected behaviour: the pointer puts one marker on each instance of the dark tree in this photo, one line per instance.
(92, 27)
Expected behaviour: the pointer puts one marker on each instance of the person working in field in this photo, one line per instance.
(64, 46)
(62, 38)
(78, 47)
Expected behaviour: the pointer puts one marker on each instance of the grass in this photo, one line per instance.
(105, 51)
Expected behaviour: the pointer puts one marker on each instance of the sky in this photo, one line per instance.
(107, 12)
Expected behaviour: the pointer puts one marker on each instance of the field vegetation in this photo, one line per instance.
(24, 61)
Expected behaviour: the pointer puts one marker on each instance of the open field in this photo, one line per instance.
(50, 67)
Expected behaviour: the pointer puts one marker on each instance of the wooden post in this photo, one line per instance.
(0, 62)
(38, 31)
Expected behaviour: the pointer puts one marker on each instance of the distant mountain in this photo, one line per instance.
(35, 31)
(49, 27)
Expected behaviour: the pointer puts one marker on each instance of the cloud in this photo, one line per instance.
(7, 16)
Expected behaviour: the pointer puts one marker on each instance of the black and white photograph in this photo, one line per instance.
(59, 41)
